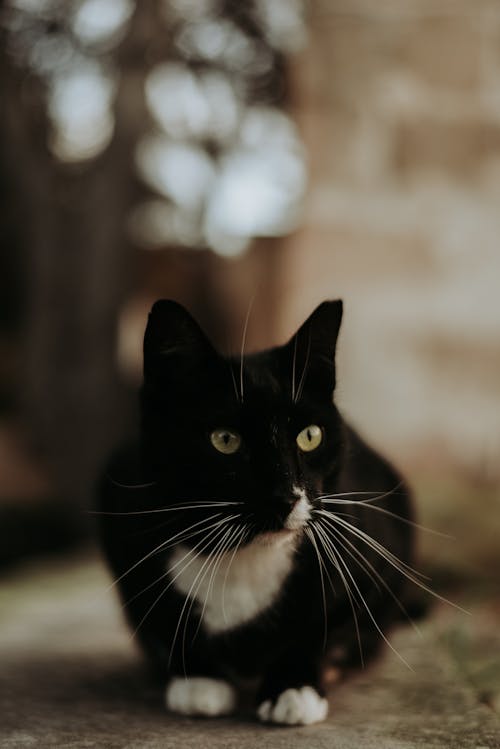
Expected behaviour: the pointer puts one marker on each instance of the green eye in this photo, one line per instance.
(225, 441)
(310, 438)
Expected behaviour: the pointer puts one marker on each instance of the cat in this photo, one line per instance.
(252, 533)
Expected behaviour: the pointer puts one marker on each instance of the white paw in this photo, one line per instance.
(200, 696)
(295, 707)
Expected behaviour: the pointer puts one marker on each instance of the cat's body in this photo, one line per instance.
(231, 559)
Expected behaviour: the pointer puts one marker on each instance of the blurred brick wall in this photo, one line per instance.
(399, 106)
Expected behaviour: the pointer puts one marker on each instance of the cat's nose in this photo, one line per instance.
(289, 500)
(284, 503)
(279, 506)
(293, 511)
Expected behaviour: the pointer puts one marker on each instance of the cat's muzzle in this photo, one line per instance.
(279, 515)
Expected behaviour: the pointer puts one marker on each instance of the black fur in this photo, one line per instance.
(190, 390)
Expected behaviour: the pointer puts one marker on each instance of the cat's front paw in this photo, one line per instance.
(200, 696)
(294, 707)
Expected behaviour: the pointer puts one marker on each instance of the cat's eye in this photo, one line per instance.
(310, 438)
(225, 441)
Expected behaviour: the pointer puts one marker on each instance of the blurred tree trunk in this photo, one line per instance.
(75, 265)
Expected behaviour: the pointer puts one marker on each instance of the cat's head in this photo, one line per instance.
(260, 433)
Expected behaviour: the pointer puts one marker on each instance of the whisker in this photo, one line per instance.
(178, 537)
(219, 556)
(332, 555)
(120, 485)
(304, 371)
(294, 363)
(171, 569)
(202, 504)
(233, 379)
(368, 504)
(243, 342)
(403, 567)
(340, 539)
(212, 561)
(392, 559)
(321, 566)
(188, 598)
(157, 600)
(208, 540)
(378, 494)
(370, 614)
(240, 539)
(373, 574)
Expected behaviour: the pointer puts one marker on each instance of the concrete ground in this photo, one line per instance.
(70, 677)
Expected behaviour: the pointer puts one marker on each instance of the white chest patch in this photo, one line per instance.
(243, 585)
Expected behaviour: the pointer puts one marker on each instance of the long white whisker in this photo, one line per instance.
(243, 342)
(403, 567)
(321, 566)
(217, 557)
(171, 508)
(176, 538)
(378, 494)
(369, 612)
(340, 539)
(208, 539)
(373, 574)
(217, 538)
(189, 552)
(304, 371)
(368, 504)
(294, 365)
(334, 558)
(394, 561)
(212, 558)
(240, 539)
(233, 379)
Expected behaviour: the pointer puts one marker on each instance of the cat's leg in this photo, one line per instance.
(193, 683)
(292, 693)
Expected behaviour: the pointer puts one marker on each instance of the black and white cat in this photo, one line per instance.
(251, 531)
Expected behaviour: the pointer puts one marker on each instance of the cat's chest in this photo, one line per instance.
(238, 587)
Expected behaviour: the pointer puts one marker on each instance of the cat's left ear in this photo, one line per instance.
(172, 341)
(311, 351)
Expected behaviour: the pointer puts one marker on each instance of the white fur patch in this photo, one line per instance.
(200, 696)
(299, 515)
(245, 583)
(295, 707)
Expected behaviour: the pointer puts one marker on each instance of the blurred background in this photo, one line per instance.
(280, 151)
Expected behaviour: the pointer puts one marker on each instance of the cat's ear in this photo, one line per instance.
(172, 335)
(312, 349)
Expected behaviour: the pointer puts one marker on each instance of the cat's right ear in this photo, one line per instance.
(172, 334)
(311, 351)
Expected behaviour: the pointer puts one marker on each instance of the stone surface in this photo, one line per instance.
(70, 677)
